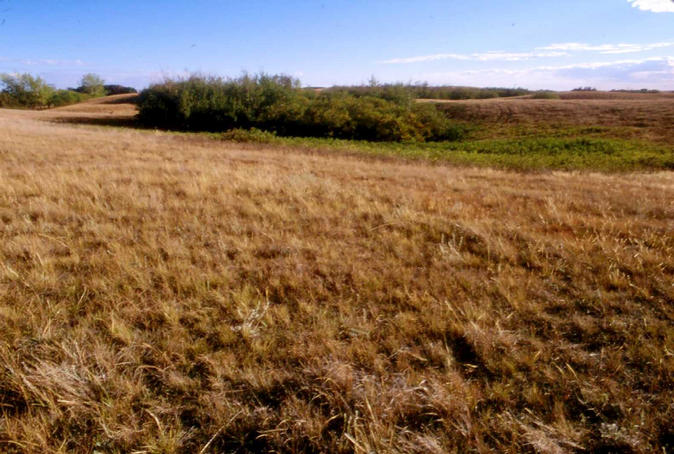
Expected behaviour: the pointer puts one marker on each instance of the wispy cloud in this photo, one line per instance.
(549, 51)
(634, 73)
(622, 48)
(480, 56)
(607, 64)
(42, 62)
(51, 62)
(656, 6)
(516, 56)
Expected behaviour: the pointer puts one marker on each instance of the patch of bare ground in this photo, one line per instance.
(159, 294)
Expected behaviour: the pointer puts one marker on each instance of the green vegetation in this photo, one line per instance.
(66, 97)
(115, 89)
(92, 85)
(278, 104)
(424, 91)
(33, 92)
(25, 90)
(520, 153)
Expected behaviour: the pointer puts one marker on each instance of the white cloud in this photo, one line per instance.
(480, 56)
(515, 56)
(605, 64)
(656, 6)
(424, 58)
(51, 62)
(42, 62)
(630, 74)
(607, 48)
(550, 51)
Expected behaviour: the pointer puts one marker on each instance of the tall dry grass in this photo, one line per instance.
(161, 293)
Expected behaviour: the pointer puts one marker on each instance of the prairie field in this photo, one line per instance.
(647, 116)
(174, 293)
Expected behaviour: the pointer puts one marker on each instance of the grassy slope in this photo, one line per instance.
(165, 293)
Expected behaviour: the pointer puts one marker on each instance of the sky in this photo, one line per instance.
(536, 44)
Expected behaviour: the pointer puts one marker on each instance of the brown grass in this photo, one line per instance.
(162, 294)
(646, 116)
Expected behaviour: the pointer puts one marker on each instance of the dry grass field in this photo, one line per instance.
(165, 293)
(640, 115)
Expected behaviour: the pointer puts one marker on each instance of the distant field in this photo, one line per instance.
(165, 292)
(633, 115)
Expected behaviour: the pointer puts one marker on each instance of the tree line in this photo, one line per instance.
(28, 91)
(279, 104)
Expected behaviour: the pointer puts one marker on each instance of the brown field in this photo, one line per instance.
(647, 116)
(163, 293)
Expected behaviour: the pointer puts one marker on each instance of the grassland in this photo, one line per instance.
(168, 292)
(617, 134)
(580, 130)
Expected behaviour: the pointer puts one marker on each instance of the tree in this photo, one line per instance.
(92, 84)
(26, 90)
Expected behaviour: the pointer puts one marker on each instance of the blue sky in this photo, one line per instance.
(530, 43)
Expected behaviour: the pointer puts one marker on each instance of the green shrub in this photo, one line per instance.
(24, 90)
(118, 90)
(252, 135)
(66, 97)
(406, 94)
(277, 104)
(92, 85)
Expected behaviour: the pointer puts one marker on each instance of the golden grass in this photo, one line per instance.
(162, 293)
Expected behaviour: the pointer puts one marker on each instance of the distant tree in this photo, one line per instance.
(118, 89)
(26, 90)
(92, 84)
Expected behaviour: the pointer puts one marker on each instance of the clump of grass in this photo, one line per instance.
(252, 135)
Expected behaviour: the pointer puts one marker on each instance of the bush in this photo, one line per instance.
(66, 97)
(118, 90)
(405, 94)
(545, 94)
(24, 90)
(277, 104)
(584, 89)
(252, 135)
(92, 85)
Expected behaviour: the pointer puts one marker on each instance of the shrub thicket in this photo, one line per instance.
(24, 90)
(278, 104)
(66, 97)
(584, 89)
(407, 93)
(33, 92)
(118, 90)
